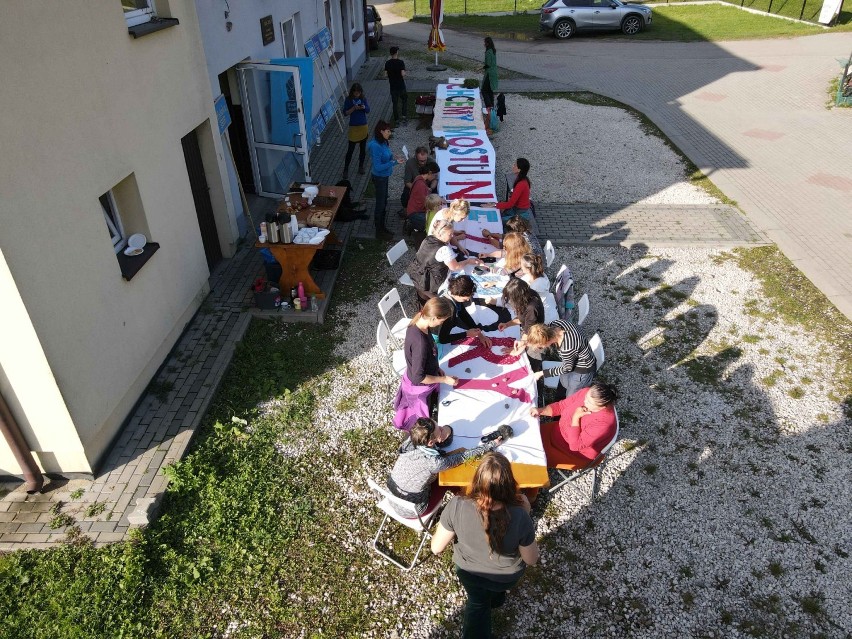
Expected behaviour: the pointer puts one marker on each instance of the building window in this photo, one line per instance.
(137, 11)
(113, 221)
(329, 22)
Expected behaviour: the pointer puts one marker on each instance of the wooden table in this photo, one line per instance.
(295, 258)
(472, 412)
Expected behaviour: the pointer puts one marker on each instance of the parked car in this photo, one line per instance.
(374, 27)
(565, 17)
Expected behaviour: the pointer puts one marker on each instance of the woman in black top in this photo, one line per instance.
(529, 310)
(422, 372)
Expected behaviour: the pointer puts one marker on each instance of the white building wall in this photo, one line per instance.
(84, 105)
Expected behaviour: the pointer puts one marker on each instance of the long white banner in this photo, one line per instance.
(468, 163)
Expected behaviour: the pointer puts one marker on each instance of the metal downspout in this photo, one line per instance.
(12, 433)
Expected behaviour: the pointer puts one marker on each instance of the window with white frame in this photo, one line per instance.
(113, 221)
(137, 11)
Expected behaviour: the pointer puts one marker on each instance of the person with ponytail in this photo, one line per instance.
(586, 425)
(519, 201)
(423, 455)
(422, 372)
(493, 540)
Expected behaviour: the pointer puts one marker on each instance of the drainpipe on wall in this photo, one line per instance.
(12, 433)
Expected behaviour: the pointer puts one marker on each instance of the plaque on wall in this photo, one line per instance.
(267, 30)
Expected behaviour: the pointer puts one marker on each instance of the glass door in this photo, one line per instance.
(275, 125)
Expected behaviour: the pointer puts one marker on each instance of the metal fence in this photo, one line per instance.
(807, 10)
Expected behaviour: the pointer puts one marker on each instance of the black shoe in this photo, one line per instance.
(407, 228)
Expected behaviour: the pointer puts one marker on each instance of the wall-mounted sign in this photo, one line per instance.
(223, 116)
(267, 30)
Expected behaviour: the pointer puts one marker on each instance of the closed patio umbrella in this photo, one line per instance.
(436, 38)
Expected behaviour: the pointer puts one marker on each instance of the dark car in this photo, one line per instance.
(565, 17)
(374, 27)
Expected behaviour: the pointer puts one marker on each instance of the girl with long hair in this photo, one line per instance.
(383, 164)
(519, 201)
(532, 272)
(529, 311)
(356, 107)
(494, 540)
(514, 248)
(422, 372)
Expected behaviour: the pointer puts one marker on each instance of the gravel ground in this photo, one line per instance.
(724, 509)
(582, 174)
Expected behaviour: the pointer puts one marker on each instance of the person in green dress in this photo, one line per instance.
(490, 81)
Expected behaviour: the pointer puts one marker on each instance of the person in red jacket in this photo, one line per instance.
(519, 201)
(415, 211)
(586, 425)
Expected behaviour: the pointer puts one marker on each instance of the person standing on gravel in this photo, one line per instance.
(490, 81)
(395, 68)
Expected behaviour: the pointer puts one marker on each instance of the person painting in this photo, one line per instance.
(456, 212)
(514, 249)
(356, 107)
(412, 169)
(423, 455)
(532, 272)
(434, 260)
(578, 366)
(493, 540)
(383, 165)
(587, 423)
(416, 209)
(490, 82)
(422, 372)
(460, 291)
(395, 68)
(529, 311)
(519, 201)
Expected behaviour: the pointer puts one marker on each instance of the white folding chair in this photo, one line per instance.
(597, 348)
(563, 293)
(397, 251)
(582, 308)
(386, 304)
(549, 253)
(397, 357)
(567, 473)
(419, 523)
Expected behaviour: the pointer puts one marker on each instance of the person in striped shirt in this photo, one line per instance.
(578, 364)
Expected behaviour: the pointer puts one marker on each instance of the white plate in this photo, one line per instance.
(131, 251)
(137, 240)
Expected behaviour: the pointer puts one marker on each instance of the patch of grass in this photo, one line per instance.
(708, 369)
(751, 339)
(796, 392)
(772, 379)
(800, 304)
(776, 569)
(61, 521)
(77, 493)
(650, 469)
(95, 509)
(813, 604)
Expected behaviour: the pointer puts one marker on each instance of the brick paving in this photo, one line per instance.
(166, 418)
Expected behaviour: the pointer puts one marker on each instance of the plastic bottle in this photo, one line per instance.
(314, 303)
(297, 304)
(302, 297)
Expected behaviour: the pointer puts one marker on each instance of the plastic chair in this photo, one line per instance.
(397, 251)
(563, 293)
(397, 357)
(567, 473)
(386, 304)
(419, 523)
(597, 348)
(582, 308)
(549, 253)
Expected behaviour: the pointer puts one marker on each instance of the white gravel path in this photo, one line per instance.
(725, 504)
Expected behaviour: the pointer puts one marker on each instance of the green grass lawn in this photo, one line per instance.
(685, 23)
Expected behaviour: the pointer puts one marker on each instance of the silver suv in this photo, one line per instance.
(566, 17)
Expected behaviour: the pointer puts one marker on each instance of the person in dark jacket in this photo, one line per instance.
(357, 108)
(433, 262)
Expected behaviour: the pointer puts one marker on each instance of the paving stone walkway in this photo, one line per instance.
(166, 418)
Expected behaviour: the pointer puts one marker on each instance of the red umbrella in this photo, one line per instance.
(436, 39)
